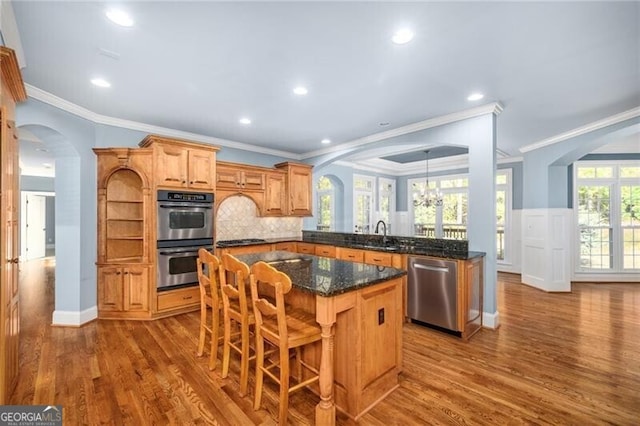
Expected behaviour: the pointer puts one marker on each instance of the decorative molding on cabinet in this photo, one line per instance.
(596, 125)
(11, 74)
(546, 248)
(74, 109)
(74, 318)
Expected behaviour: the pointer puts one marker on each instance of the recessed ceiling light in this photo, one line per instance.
(300, 90)
(402, 36)
(119, 17)
(244, 120)
(326, 141)
(100, 82)
(475, 97)
(383, 123)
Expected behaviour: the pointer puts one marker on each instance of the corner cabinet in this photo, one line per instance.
(124, 223)
(299, 188)
(12, 90)
(182, 164)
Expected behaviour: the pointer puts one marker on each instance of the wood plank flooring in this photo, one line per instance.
(557, 359)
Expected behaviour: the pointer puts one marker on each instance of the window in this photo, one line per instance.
(446, 221)
(386, 200)
(607, 201)
(363, 191)
(503, 213)
(325, 194)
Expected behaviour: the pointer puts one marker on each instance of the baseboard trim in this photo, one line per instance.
(491, 321)
(74, 318)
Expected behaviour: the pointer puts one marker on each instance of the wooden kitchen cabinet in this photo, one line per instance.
(182, 164)
(253, 248)
(11, 91)
(325, 250)
(125, 221)
(123, 291)
(239, 177)
(182, 299)
(352, 255)
(306, 248)
(291, 246)
(470, 295)
(275, 194)
(299, 188)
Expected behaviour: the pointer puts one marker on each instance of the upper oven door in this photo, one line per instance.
(184, 221)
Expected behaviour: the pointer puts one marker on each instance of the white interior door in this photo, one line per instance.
(35, 226)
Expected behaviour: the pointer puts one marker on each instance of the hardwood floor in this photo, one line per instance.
(557, 359)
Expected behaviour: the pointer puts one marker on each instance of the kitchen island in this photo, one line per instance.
(359, 308)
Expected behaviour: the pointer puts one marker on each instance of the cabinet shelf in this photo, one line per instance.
(133, 259)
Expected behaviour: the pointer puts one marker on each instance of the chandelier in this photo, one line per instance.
(427, 197)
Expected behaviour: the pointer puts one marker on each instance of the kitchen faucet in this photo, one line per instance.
(384, 237)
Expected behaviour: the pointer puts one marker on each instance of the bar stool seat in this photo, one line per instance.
(234, 276)
(282, 327)
(207, 266)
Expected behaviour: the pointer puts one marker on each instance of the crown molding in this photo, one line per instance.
(596, 125)
(53, 100)
(11, 74)
(492, 108)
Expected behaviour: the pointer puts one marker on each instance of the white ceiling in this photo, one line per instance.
(200, 66)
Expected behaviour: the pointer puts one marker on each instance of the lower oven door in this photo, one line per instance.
(177, 267)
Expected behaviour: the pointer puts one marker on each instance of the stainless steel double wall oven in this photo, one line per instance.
(185, 224)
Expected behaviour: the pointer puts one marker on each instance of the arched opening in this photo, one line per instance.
(47, 149)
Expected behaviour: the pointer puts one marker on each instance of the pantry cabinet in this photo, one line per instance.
(11, 91)
(182, 164)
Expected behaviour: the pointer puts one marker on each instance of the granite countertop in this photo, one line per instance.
(323, 276)
(417, 246)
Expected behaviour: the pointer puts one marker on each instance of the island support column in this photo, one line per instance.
(326, 317)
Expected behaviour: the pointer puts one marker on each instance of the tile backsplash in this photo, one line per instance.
(237, 218)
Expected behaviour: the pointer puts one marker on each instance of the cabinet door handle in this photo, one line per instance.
(126, 273)
(187, 297)
(118, 273)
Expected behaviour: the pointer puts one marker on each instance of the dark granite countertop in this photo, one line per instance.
(419, 246)
(323, 276)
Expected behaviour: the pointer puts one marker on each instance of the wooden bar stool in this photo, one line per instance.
(209, 299)
(234, 276)
(283, 329)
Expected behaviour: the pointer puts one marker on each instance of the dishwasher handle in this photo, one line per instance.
(431, 268)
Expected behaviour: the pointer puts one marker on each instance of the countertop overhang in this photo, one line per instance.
(323, 276)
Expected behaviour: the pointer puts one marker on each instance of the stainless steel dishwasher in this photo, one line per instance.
(432, 291)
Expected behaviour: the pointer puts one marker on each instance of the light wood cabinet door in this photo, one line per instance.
(378, 258)
(306, 248)
(110, 289)
(325, 250)
(471, 287)
(352, 255)
(274, 199)
(200, 166)
(291, 246)
(299, 188)
(300, 191)
(171, 166)
(136, 288)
